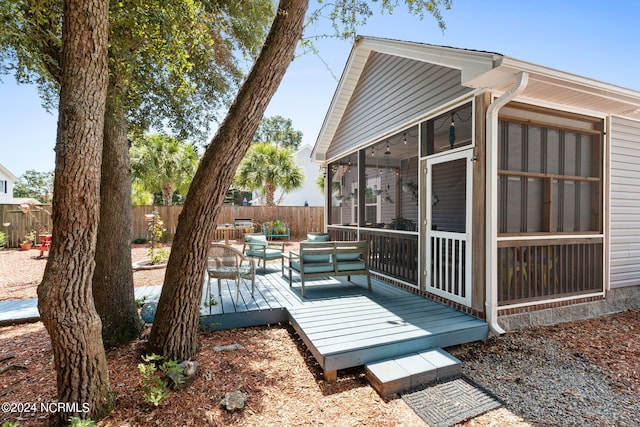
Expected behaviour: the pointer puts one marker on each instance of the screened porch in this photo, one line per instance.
(550, 205)
(374, 197)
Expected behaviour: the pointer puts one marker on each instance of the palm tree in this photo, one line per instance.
(267, 167)
(162, 163)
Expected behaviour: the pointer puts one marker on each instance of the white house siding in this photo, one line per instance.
(6, 190)
(391, 91)
(625, 203)
(7, 181)
(309, 192)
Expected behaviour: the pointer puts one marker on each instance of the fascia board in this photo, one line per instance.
(347, 84)
(471, 63)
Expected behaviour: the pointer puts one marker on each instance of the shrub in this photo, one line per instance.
(154, 388)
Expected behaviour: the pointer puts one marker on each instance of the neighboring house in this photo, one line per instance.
(309, 192)
(504, 188)
(7, 181)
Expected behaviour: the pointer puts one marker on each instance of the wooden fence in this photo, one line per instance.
(300, 219)
(16, 223)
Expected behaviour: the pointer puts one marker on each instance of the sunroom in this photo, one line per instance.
(477, 179)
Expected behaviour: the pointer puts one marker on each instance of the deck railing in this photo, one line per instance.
(346, 234)
(536, 270)
(391, 253)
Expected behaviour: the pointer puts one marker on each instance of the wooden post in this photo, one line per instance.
(330, 375)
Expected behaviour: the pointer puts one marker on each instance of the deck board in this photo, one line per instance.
(341, 322)
(344, 325)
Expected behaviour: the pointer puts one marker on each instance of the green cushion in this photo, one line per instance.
(256, 239)
(317, 237)
(311, 268)
(351, 266)
(348, 257)
(316, 258)
(261, 240)
(266, 254)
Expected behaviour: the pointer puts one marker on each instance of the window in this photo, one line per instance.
(372, 199)
(3, 186)
(549, 178)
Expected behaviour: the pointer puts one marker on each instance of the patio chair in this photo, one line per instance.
(226, 262)
(257, 246)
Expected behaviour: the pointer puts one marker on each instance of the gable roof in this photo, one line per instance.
(481, 70)
(6, 172)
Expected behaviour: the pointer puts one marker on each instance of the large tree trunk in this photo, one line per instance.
(113, 277)
(65, 299)
(174, 332)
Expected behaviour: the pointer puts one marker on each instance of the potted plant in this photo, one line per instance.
(275, 228)
(401, 223)
(411, 188)
(28, 240)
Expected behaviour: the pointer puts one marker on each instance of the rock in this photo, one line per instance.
(229, 347)
(184, 376)
(234, 400)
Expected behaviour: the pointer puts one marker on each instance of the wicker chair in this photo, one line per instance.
(226, 262)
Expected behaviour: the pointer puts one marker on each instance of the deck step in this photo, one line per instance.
(405, 372)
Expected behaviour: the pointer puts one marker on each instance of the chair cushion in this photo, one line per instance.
(311, 268)
(260, 240)
(222, 272)
(256, 239)
(311, 259)
(246, 271)
(348, 257)
(267, 253)
(351, 266)
(317, 237)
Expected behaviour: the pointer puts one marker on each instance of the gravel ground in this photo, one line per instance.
(565, 375)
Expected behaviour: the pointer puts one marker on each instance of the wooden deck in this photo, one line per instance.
(341, 322)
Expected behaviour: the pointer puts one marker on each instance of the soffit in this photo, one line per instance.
(562, 90)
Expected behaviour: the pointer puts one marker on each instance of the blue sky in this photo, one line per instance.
(594, 39)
